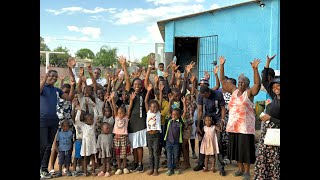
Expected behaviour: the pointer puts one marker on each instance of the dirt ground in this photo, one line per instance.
(185, 175)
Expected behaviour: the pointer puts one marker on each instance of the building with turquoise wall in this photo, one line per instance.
(239, 32)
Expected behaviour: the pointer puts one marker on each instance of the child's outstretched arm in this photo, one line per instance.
(161, 87)
(215, 71)
(146, 100)
(94, 82)
(115, 109)
(122, 61)
(170, 96)
(133, 95)
(183, 99)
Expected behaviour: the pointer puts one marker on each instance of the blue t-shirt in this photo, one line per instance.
(213, 104)
(48, 102)
(64, 138)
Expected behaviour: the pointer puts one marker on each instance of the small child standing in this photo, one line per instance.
(153, 122)
(104, 147)
(209, 145)
(121, 140)
(173, 138)
(88, 146)
(64, 145)
(188, 122)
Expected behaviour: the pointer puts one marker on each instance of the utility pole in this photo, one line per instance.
(47, 57)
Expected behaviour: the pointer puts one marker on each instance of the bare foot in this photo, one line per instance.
(213, 169)
(150, 172)
(156, 173)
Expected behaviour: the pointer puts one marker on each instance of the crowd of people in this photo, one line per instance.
(101, 121)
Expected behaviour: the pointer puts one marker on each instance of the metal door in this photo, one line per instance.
(208, 49)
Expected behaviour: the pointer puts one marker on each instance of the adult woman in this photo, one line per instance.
(241, 123)
(137, 127)
(267, 165)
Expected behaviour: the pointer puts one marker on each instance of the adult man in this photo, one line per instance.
(214, 107)
(48, 116)
(99, 80)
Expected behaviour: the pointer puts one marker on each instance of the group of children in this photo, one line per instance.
(100, 119)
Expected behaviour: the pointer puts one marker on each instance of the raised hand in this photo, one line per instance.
(269, 59)
(255, 63)
(89, 68)
(83, 78)
(72, 82)
(190, 66)
(206, 75)
(183, 99)
(170, 96)
(62, 77)
(222, 60)
(178, 74)
(133, 95)
(165, 74)
(152, 60)
(149, 88)
(156, 79)
(122, 60)
(216, 69)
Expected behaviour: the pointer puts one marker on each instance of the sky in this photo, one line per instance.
(128, 25)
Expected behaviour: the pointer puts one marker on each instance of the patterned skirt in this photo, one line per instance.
(267, 165)
(121, 146)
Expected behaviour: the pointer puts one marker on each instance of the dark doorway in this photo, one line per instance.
(186, 50)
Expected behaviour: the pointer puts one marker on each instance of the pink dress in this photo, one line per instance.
(209, 144)
(241, 114)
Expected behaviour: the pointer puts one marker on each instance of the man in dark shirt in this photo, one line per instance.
(214, 107)
(48, 116)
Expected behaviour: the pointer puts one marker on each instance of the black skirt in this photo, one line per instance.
(241, 148)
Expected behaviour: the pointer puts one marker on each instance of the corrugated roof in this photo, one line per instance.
(161, 24)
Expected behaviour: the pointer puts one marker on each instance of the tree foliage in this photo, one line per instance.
(85, 53)
(106, 57)
(60, 60)
(43, 47)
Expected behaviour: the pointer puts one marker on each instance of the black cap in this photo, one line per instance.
(273, 81)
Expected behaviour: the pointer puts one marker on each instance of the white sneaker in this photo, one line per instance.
(64, 170)
(126, 171)
(118, 172)
(89, 168)
(78, 168)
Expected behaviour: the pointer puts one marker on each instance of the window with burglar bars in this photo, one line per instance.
(208, 49)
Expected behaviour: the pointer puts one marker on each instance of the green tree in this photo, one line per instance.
(106, 57)
(85, 53)
(145, 60)
(60, 60)
(43, 47)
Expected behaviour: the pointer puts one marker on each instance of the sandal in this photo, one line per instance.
(205, 169)
(213, 169)
(52, 172)
(101, 173)
(107, 174)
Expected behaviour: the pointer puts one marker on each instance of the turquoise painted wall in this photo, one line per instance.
(244, 33)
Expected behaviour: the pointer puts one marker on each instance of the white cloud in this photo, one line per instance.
(163, 2)
(200, 1)
(49, 39)
(214, 6)
(90, 31)
(154, 32)
(138, 15)
(133, 38)
(71, 10)
(73, 28)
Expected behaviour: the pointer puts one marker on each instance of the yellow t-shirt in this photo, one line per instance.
(164, 110)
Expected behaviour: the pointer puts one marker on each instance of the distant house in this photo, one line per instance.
(239, 32)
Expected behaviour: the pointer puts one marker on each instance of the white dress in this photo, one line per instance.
(88, 146)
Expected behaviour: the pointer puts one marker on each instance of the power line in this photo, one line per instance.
(115, 42)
